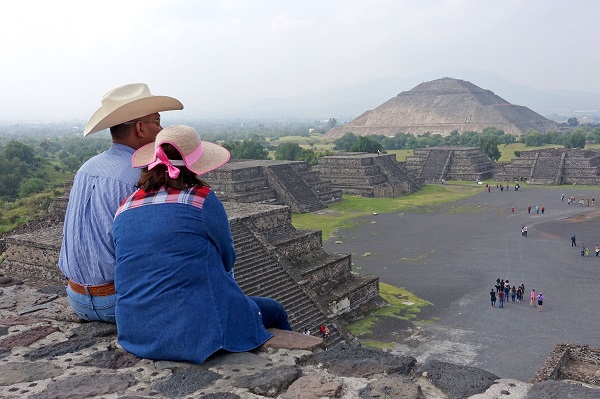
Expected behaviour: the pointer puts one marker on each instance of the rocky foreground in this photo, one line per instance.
(47, 353)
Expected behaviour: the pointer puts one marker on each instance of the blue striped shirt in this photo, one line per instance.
(87, 254)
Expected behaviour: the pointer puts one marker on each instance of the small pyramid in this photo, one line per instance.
(442, 106)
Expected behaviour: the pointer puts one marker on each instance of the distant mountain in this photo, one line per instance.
(347, 102)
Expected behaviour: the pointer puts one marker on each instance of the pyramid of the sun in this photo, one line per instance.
(442, 106)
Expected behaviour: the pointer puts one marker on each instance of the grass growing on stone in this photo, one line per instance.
(342, 213)
(402, 305)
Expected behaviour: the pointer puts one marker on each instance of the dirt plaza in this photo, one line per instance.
(451, 256)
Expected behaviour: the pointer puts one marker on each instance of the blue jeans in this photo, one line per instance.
(93, 308)
(272, 312)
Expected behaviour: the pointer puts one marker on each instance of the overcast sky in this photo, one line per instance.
(60, 57)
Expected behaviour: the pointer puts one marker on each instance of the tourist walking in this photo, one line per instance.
(573, 242)
(562, 197)
(501, 299)
(543, 209)
(493, 297)
(506, 290)
(529, 209)
(498, 285)
(537, 209)
(582, 249)
(532, 296)
(540, 301)
(513, 293)
(597, 249)
(519, 294)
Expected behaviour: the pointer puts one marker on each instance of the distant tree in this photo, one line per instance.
(492, 130)
(572, 121)
(532, 138)
(517, 154)
(22, 152)
(574, 140)
(508, 139)
(246, 149)
(288, 151)
(31, 186)
(489, 145)
(345, 142)
(332, 122)
(366, 144)
(72, 162)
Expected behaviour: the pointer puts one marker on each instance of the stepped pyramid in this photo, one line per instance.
(554, 166)
(291, 183)
(441, 106)
(273, 259)
(450, 163)
(367, 175)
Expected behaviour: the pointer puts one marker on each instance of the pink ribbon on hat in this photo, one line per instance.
(162, 159)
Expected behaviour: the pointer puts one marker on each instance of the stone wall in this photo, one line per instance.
(571, 362)
(450, 163)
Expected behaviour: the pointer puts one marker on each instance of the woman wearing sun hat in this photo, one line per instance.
(176, 297)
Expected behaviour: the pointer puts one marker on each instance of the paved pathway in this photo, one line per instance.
(451, 256)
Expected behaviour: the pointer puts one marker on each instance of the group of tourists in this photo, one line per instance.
(500, 187)
(503, 293)
(582, 201)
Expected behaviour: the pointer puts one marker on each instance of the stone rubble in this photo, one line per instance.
(46, 352)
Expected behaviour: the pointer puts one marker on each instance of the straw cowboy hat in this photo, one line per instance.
(126, 103)
(198, 156)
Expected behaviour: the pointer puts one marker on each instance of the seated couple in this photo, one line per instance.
(176, 298)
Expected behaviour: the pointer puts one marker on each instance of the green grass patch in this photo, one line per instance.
(402, 305)
(401, 154)
(343, 214)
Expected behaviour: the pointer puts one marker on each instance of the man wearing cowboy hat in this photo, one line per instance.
(87, 255)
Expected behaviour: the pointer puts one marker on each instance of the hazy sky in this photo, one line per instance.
(60, 57)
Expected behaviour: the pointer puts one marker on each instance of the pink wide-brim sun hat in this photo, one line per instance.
(126, 103)
(198, 156)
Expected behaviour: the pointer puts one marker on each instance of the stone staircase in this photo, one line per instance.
(396, 174)
(434, 165)
(292, 189)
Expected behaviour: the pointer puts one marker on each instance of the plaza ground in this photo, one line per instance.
(451, 256)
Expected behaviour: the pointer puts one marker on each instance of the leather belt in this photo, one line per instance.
(94, 290)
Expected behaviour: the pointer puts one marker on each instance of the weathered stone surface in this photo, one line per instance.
(505, 388)
(95, 329)
(13, 373)
(269, 382)
(61, 348)
(28, 337)
(220, 395)
(3, 331)
(292, 340)
(225, 359)
(391, 387)
(456, 381)
(8, 299)
(185, 381)
(59, 290)
(18, 320)
(312, 386)
(85, 386)
(356, 361)
(560, 390)
(111, 359)
(6, 281)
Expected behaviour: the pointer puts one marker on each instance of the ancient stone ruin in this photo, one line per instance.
(450, 163)
(291, 183)
(368, 175)
(274, 259)
(554, 166)
(442, 106)
(572, 362)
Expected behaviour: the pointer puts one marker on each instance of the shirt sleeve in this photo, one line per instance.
(217, 225)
